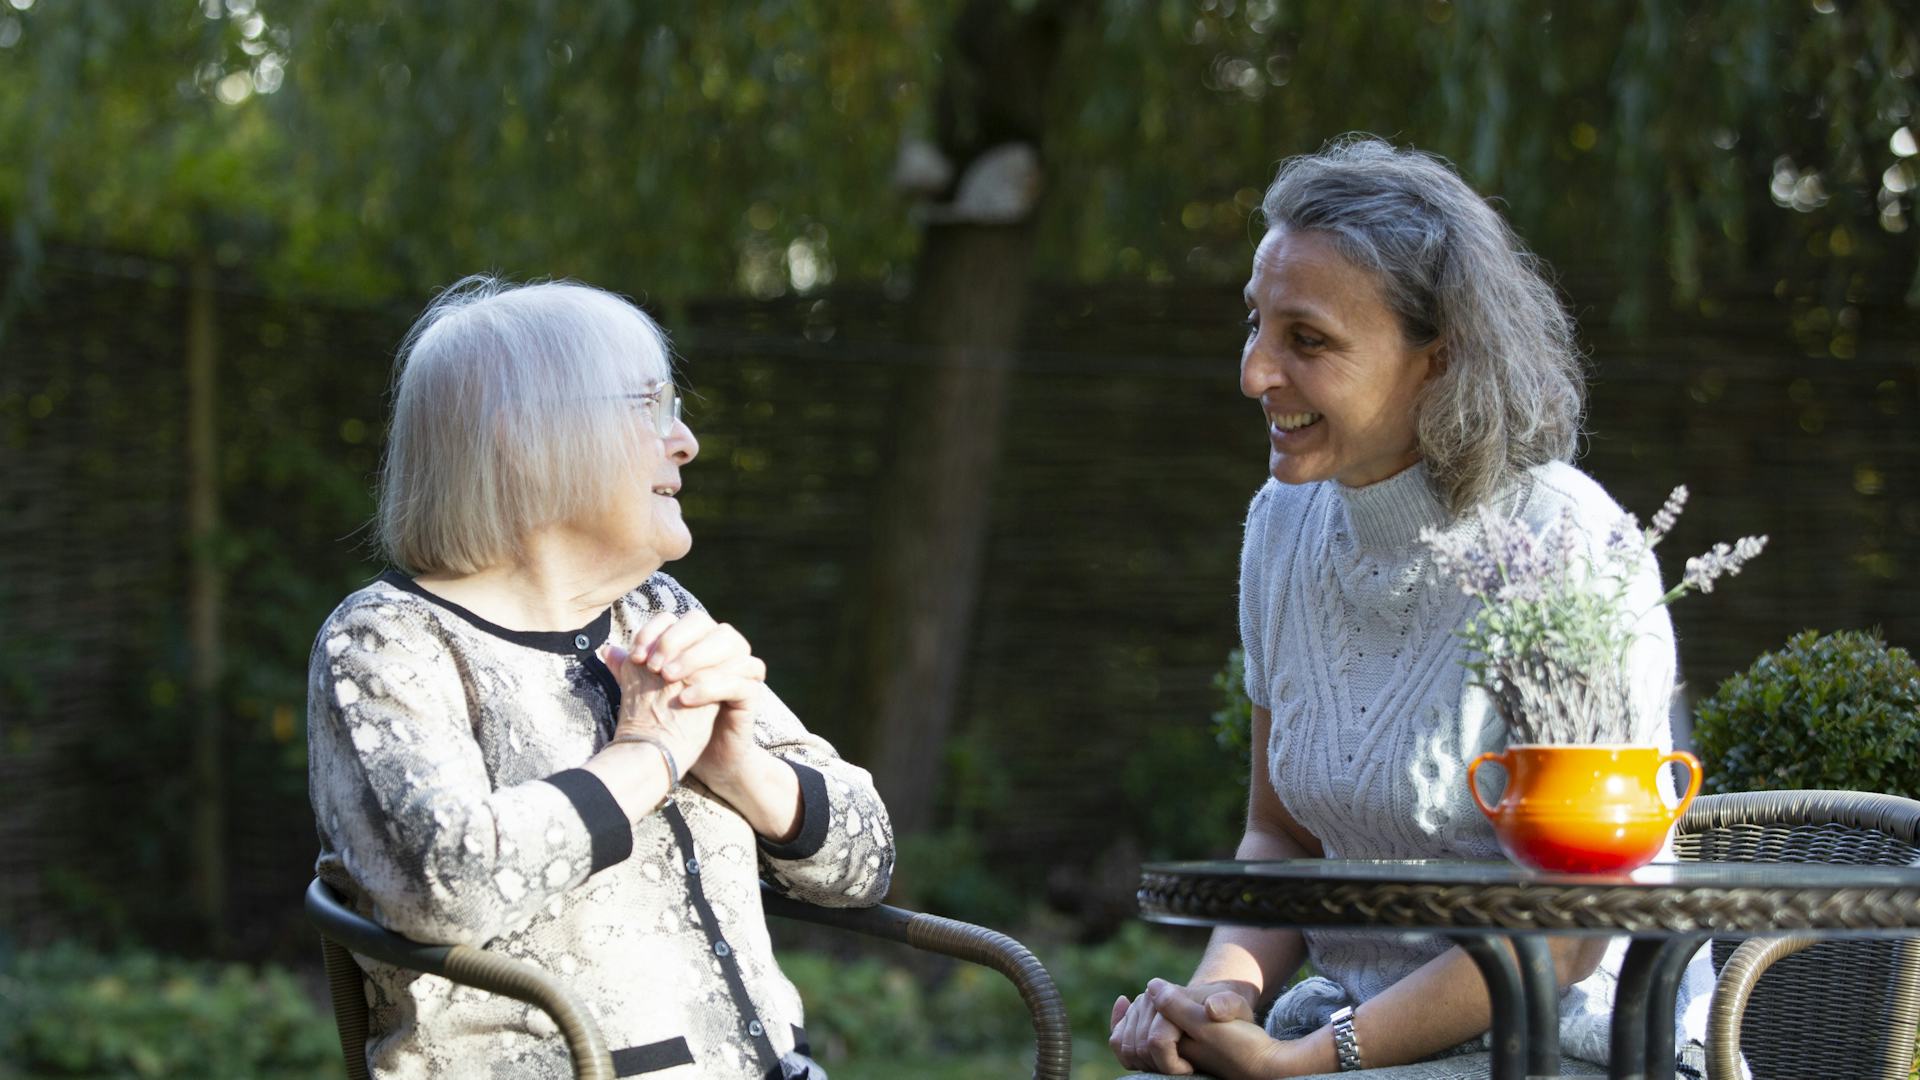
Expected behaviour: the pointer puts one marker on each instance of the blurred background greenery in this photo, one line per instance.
(954, 284)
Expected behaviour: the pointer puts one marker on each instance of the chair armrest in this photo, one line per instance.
(1731, 991)
(466, 965)
(1053, 1037)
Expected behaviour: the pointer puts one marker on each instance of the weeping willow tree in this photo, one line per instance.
(1690, 143)
(349, 149)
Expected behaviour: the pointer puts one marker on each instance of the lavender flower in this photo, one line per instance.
(1668, 513)
(1626, 536)
(1563, 551)
(1704, 569)
(1456, 556)
(1550, 639)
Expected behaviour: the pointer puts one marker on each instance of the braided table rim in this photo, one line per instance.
(1215, 896)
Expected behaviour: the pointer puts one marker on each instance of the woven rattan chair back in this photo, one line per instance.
(1840, 1008)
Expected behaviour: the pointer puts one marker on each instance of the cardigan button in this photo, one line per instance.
(693, 866)
(754, 1029)
(579, 641)
(720, 949)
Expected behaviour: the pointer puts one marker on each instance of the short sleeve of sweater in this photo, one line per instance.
(1255, 598)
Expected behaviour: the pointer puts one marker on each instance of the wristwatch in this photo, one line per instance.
(1346, 1046)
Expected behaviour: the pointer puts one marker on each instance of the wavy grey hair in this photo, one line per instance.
(1511, 384)
(511, 412)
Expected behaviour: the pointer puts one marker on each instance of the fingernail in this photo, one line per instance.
(672, 671)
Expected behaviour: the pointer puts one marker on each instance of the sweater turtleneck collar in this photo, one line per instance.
(1389, 515)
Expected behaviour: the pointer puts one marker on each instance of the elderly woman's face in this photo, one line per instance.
(644, 524)
(1327, 361)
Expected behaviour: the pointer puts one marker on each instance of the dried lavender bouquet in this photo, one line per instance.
(1549, 640)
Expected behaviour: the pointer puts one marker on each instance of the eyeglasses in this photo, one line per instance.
(663, 405)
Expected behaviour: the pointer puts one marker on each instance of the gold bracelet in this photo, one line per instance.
(666, 755)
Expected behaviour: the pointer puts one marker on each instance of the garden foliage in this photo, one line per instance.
(1834, 711)
(69, 1011)
(873, 1010)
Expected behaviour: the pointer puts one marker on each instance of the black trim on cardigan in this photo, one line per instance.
(717, 942)
(564, 642)
(606, 823)
(652, 1057)
(610, 686)
(815, 816)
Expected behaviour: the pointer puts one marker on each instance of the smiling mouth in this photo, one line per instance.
(670, 491)
(1294, 421)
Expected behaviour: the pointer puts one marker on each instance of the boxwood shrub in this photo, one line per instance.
(1834, 711)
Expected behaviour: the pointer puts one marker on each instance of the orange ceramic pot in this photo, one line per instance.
(1583, 809)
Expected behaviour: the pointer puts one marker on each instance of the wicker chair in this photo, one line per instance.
(342, 932)
(1825, 1008)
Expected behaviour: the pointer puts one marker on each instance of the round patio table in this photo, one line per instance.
(1669, 910)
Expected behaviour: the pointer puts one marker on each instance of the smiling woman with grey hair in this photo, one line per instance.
(527, 736)
(1414, 367)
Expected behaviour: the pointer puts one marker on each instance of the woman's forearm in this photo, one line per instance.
(764, 790)
(1258, 963)
(1443, 1003)
(635, 774)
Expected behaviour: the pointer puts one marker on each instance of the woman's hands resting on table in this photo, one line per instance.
(1180, 1030)
(1197, 1029)
(696, 685)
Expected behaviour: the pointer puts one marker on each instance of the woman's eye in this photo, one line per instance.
(1308, 341)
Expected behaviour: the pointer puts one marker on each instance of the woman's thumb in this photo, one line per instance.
(1226, 1005)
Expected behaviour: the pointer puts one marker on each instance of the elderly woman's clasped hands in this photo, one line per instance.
(695, 685)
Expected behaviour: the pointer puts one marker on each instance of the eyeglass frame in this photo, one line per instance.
(664, 405)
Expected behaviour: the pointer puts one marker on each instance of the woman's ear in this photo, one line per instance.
(1436, 357)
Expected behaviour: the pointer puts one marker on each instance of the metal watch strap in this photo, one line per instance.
(1346, 1046)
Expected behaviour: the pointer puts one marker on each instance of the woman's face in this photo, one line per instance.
(644, 526)
(1327, 361)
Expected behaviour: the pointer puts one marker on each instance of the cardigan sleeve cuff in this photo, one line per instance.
(607, 826)
(814, 817)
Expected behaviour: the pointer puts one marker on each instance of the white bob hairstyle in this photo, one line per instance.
(509, 415)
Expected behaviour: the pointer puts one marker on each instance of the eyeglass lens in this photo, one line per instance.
(666, 409)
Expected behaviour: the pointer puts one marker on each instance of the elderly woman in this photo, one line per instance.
(528, 737)
(1413, 366)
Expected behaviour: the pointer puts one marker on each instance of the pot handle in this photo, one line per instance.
(1693, 784)
(1474, 789)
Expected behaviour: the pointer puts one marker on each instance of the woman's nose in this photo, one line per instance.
(682, 447)
(1260, 371)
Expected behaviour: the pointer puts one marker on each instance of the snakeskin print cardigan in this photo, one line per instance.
(444, 754)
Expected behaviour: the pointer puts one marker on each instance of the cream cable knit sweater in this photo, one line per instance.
(1350, 645)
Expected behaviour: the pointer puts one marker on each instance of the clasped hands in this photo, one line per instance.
(1206, 1027)
(694, 684)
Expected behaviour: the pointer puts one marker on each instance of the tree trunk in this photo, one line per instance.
(968, 302)
(206, 590)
